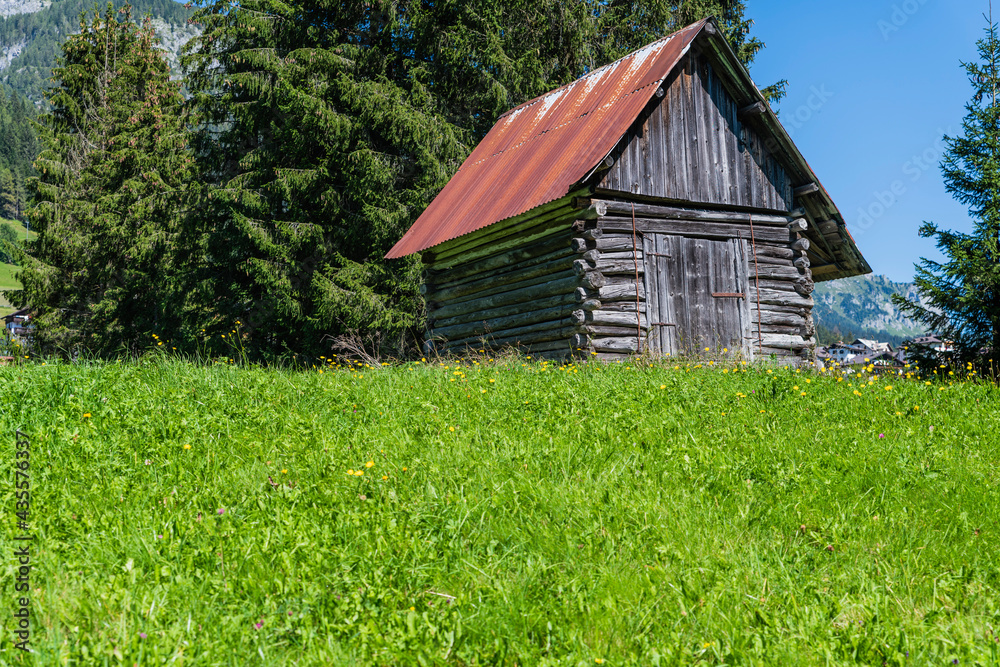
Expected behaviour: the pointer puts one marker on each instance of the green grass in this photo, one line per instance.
(7, 277)
(8, 271)
(528, 515)
(22, 231)
(8, 281)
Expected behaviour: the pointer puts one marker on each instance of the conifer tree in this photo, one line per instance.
(18, 144)
(321, 156)
(8, 195)
(105, 271)
(964, 290)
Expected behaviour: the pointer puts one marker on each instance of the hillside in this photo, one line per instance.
(31, 32)
(863, 306)
(502, 514)
(8, 281)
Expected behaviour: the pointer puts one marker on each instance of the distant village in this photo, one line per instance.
(864, 351)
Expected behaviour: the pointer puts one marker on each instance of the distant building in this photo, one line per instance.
(934, 343)
(861, 351)
(18, 325)
(874, 347)
(844, 354)
(929, 342)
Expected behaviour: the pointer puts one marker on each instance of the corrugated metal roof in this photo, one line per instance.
(538, 150)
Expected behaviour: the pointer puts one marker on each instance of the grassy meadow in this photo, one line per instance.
(503, 513)
(8, 271)
(22, 231)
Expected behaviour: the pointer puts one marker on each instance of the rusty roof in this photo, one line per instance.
(537, 151)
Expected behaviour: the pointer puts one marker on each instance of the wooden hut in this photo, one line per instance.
(654, 205)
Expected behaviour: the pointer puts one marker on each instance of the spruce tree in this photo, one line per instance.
(323, 142)
(18, 144)
(107, 267)
(8, 195)
(964, 290)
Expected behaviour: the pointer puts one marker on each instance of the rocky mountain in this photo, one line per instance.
(11, 7)
(862, 307)
(31, 32)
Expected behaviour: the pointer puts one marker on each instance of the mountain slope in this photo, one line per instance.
(862, 307)
(32, 31)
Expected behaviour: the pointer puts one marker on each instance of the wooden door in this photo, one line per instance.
(696, 295)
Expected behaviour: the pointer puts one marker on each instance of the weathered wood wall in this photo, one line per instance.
(601, 278)
(675, 288)
(693, 146)
(520, 288)
(697, 291)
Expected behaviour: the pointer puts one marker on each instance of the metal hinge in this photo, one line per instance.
(663, 324)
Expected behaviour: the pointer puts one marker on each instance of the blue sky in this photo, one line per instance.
(873, 86)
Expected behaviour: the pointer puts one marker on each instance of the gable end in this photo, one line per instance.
(690, 145)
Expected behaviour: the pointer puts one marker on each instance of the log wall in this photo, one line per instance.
(523, 289)
(579, 282)
(778, 283)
